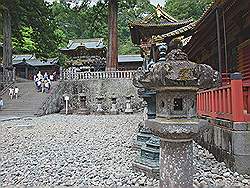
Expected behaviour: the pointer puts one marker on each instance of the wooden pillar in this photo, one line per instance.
(112, 59)
(218, 39)
(237, 97)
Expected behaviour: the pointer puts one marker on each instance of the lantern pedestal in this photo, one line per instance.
(176, 157)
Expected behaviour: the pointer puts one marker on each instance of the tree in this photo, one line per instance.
(130, 11)
(27, 44)
(186, 9)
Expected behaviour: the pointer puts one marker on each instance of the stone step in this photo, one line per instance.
(28, 102)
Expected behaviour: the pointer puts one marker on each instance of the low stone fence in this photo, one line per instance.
(72, 75)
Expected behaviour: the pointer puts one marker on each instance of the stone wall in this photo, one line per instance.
(54, 102)
(228, 141)
(105, 87)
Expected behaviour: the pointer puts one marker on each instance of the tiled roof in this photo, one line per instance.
(159, 18)
(36, 62)
(180, 30)
(96, 43)
(161, 24)
(23, 56)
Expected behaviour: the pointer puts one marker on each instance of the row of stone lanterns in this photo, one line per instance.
(114, 110)
(83, 110)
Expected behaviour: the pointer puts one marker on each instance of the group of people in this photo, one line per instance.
(43, 82)
(13, 92)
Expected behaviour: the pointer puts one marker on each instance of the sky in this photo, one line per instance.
(154, 2)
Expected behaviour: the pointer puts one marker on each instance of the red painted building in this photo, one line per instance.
(221, 39)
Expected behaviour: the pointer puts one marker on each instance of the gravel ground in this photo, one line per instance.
(87, 150)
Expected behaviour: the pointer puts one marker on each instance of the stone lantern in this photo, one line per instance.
(176, 81)
(99, 109)
(113, 110)
(128, 109)
(83, 110)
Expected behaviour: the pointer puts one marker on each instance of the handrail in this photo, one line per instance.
(5, 89)
(230, 102)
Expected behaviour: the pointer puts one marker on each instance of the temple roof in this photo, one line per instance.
(184, 31)
(33, 61)
(96, 43)
(156, 23)
(23, 57)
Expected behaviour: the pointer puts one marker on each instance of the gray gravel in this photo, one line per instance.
(70, 150)
(210, 173)
(87, 150)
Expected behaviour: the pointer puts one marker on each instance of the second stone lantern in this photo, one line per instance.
(176, 81)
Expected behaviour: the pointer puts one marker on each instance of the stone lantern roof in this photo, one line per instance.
(177, 72)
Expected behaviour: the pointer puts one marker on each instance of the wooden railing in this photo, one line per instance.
(230, 102)
(69, 75)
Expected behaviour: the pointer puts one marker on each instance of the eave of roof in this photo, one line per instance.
(168, 24)
(36, 62)
(94, 43)
(180, 30)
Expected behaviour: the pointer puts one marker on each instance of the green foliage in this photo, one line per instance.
(26, 45)
(186, 9)
(42, 28)
(130, 11)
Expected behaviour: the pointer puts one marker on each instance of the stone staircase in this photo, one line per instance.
(27, 104)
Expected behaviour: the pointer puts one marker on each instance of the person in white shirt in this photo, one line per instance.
(11, 92)
(46, 86)
(39, 75)
(16, 91)
(51, 77)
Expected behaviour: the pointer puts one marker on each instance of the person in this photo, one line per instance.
(1, 103)
(51, 77)
(46, 86)
(16, 91)
(11, 92)
(46, 75)
(54, 76)
(39, 75)
(39, 85)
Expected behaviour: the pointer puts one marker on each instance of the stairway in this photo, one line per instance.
(27, 103)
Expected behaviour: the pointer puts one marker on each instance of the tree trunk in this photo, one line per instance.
(112, 59)
(7, 44)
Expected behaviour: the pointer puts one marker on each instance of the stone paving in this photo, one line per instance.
(87, 150)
